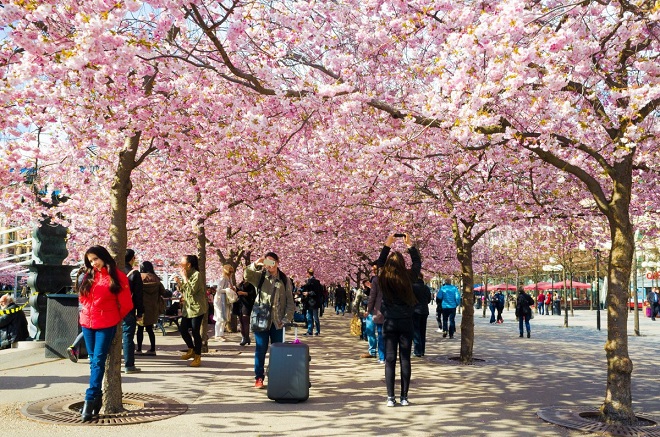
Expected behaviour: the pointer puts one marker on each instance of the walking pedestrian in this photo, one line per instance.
(396, 285)
(548, 303)
(193, 308)
(246, 296)
(105, 298)
(654, 301)
(540, 301)
(313, 292)
(420, 316)
(275, 289)
(438, 309)
(154, 305)
(131, 319)
(340, 300)
(451, 298)
(374, 320)
(499, 305)
(492, 305)
(524, 311)
(221, 307)
(359, 307)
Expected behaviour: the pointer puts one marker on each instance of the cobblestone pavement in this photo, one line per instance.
(498, 396)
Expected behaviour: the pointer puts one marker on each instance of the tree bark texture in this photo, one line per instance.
(464, 254)
(201, 254)
(617, 407)
(119, 192)
(112, 391)
(467, 319)
(121, 188)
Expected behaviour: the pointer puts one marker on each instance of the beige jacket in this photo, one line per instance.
(282, 305)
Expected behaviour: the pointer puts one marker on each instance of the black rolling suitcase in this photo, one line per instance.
(288, 371)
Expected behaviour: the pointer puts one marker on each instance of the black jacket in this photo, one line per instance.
(136, 285)
(523, 304)
(396, 308)
(423, 296)
(247, 301)
(13, 326)
(314, 289)
(340, 296)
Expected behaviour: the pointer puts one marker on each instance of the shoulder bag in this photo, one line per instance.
(261, 311)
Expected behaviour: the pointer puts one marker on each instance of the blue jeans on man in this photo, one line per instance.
(128, 343)
(374, 333)
(262, 338)
(524, 317)
(448, 316)
(541, 306)
(313, 318)
(97, 342)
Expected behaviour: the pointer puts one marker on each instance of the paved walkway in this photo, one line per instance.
(557, 366)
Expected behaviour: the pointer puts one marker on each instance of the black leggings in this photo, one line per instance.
(195, 342)
(397, 333)
(150, 333)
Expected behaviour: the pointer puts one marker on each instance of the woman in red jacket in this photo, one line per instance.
(105, 298)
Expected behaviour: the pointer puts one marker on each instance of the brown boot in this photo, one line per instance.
(196, 362)
(188, 355)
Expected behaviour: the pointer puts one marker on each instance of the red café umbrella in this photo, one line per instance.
(503, 287)
(541, 286)
(574, 284)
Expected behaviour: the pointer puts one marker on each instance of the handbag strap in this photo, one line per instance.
(261, 282)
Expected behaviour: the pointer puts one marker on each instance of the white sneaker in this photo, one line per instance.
(439, 330)
(391, 402)
(404, 402)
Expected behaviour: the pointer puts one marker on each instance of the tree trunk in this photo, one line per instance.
(633, 273)
(201, 254)
(467, 319)
(617, 407)
(121, 188)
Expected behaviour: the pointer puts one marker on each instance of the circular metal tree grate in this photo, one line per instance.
(140, 408)
(587, 420)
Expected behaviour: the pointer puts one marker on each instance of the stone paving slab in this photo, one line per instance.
(499, 397)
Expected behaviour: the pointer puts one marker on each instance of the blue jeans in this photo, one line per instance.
(541, 308)
(340, 307)
(261, 338)
(128, 334)
(448, 315)
(520, 323)
(313, 317)
(98, 343)
(492, 312)
(374, 333)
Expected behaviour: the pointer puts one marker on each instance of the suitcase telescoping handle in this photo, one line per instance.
(295, 331)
